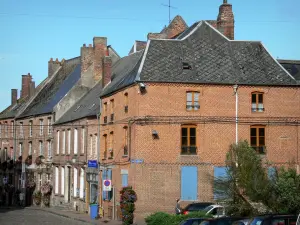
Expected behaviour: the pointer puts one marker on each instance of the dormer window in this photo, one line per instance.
(186, 66)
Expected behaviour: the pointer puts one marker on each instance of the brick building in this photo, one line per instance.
(168, 121)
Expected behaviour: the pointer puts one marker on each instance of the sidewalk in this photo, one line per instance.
(82, 217)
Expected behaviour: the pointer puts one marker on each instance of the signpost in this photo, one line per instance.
(92, 164)
(106, 185)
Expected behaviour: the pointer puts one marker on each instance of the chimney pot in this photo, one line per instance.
(14, 96)
(56, 60)
(84, 45)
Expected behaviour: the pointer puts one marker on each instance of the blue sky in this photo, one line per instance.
(33, 31)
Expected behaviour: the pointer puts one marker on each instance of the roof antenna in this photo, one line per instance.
(170, 6)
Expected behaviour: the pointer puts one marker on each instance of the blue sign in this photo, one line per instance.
(92, 164)
(138, 161)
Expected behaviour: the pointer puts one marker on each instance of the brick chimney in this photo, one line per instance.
(100, 51)
(225, 21)
(28, 86)
(107, 70)
(53, 66)
(14, 96)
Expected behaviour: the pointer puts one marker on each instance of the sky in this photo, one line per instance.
(33, 31)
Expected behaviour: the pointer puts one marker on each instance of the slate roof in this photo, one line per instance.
(54, 90)
(292, 66)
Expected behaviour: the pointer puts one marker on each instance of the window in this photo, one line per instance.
(30, 148)
(21, 130)
(0, 130)
(75, 182)
(91, 144)
(62, 181)
(107, 175)
(64, 143)
(56, 180)
(257, 138)
(75, 141)
(41, 148)
(12, 129)
(58, 141)
(126, 102)
(220, 175)
(69, 142)
(82, 140)
(6, 129)
(111, 145)
(30, 128)
(49, 149)
(257, 102)
(124, 175)
(189, 183)
(192, 101)
(49, 125)
(105, 147)
(41, 127)
(125, 141)
(40, 181)
(81, 185)
(105, 112)
(112, 106)
(188, 140)
(96, 144)
(20, 149)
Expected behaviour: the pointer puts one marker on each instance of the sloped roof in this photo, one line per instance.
(292, 66)
(12, 110)
(54, 90)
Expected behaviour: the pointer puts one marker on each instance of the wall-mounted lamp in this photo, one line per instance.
(235, 88)
(154, 134)
(142, 87)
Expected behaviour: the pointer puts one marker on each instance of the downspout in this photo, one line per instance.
(98, 154)
(235, 89)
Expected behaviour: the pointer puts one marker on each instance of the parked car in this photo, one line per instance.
(274, 219)
(241, 222)
(192, 221)
(221, 221)
(195, 207)
(215, 210)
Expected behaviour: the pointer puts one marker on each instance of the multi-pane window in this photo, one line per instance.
(188, 140)
(64, 143)
(112, 107)
(69, 142)
(30, 128)
(192, 101)
(58, 142)
(257, 139)
(41, 146)
(126, 102)
(21, 129)
(105, 146)
(105, 112)
(49, 149)
(30, 148)
(62, 183)
(82, 140)
(75, 141)
(20, 149)
(56, 180)
(41, 127)
(257, 102)
(125, 141)
(12, 128)
(111, 145)
(49, 125)
(96, 144)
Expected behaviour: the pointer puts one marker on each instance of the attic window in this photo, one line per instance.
(186, 66)
(92, 106)
(77, 108)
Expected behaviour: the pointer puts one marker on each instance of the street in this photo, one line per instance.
(29, 216)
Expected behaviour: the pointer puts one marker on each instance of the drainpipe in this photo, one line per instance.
(98, 154)
(235, 89)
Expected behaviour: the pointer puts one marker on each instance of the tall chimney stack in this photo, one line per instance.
(14, 96)
(225, 21)
(27, 86)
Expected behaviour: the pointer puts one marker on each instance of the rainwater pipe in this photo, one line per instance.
(235, 90)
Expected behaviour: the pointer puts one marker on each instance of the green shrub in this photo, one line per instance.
(161, 218)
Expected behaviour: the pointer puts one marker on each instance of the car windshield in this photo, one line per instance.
(208, 208)
(256, 221)
(196, 207)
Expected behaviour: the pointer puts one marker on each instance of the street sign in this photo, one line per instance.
(92, 164)
(137, 161)
(106, 185)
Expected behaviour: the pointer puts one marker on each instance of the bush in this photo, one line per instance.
(161, 218)
(128, 197)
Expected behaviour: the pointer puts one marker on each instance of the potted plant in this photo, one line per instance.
(28, 160)
(127, 200)
(37, 197)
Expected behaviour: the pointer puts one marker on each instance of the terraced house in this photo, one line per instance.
(168, 121)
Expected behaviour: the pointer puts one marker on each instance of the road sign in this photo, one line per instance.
(106, 185)
(137, 161)
(92, 164)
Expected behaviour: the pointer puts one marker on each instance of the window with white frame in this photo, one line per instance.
(30, 148)
(64, 143)
(49, 125)
(62, 182)
(75, 141)
(58, 142)
(96, 143)
(82, 140)
(41, 127)
(20, 149)
(81, 188)
(12, 128)
(56, 180)
(75, 182)
(30, 128)
(49, 148)
(21, 130)
(91, 144)
(41, 147)
(69, 142)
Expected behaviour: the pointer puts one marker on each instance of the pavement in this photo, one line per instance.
(53, 215)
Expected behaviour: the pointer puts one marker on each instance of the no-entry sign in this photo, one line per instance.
(106, 185)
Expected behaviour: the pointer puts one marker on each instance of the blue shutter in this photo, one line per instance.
(189, 183)
(109, 177)
(124, 180)
(220, 175)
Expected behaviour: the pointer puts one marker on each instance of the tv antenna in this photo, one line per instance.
(169, 6)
